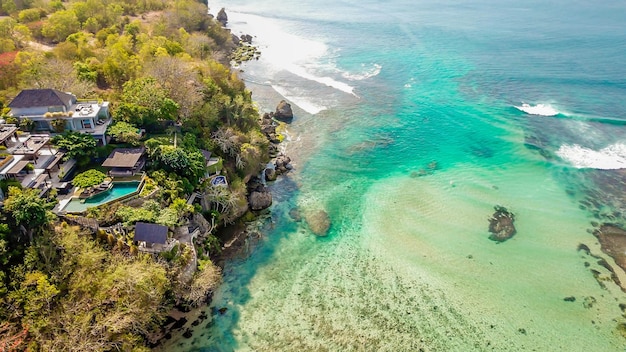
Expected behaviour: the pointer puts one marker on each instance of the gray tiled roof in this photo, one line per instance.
(152, 233)
(29, 98)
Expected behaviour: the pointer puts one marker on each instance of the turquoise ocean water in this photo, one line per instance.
(413, 120)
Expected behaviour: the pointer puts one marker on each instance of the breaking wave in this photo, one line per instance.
(303, 102)
(364, 74)
(610, 158)
(539, 109)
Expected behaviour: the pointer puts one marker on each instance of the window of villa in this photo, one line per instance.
(42, 125)
(56, 109)
(87, 123)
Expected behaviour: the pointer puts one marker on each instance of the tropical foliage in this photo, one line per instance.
(28, 209)
(164, 66)
(76, 145)
(88, 178)
(124, 132)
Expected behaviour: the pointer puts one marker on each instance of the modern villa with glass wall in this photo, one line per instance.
(55, 111)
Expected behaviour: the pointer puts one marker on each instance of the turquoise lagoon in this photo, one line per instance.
(119, 190)
(413, 120)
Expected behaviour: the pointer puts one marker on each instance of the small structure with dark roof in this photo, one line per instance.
(125, 161)
(150, 237)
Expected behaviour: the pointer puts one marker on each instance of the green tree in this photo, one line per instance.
(60, 25)
(124, 132)
(149, 94)
(76, 145)
(88, 178)
(13, 35)
(28, 209)
(120, 64)
(58, 125)
(26, 124)
(188, 163)
(205, 280)
(30, 15)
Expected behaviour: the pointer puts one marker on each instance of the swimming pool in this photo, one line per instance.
(119, 190)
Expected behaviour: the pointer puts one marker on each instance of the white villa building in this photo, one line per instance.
(43, 106)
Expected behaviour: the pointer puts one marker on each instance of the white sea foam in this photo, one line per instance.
(284, 51)
(303, 102)
(539, 109)
(300, 71)
(609, 158)
(365, 73)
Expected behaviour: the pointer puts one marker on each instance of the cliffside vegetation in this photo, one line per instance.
(163, 66)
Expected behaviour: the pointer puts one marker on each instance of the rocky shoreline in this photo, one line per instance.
(236, 237)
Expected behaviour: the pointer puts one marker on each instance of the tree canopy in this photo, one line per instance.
(88, 178)
(28, 209)
(76, 145)
(124, 132)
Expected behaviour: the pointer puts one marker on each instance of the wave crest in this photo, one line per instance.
(539, 109)
(364, 74)
(610, 158)
(303, 102)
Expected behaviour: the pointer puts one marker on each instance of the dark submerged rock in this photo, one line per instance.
(583, 247)
(570, 299)
(613, 242)
(589, 302)
(501, 224)
(319, 222)
(294, 214)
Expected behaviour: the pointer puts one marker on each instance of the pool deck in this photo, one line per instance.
(63, 202)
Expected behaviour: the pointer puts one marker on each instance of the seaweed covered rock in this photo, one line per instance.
(613, 242)
(501, 224)
(318, 221)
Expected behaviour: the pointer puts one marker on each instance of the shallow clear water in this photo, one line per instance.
(119, 189)
(410, 127)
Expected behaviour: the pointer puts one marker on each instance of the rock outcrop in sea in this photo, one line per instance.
(222, 17)
(501, 224)
(318, 221)
(283, 112)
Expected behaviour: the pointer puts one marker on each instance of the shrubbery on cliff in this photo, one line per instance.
(162, 64)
